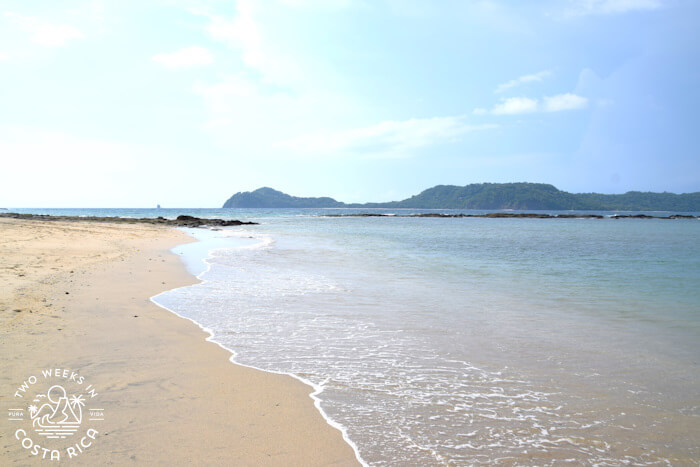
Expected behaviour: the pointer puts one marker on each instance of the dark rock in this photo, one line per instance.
(180, 221)
(635, 216)
(514, 215)
(579, 216)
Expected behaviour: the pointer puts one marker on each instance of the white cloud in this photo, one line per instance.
(50, 35)
(561, 102)
(241, 32)
(533, 78)
(187, 57)
(515, 105)
(609, 7)
(525, 105)
(261, 50)
(243, 112)
(45, 167)
(37, 162)
(388, 138)
(35, 150)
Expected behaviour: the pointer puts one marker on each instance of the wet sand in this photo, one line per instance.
(76, 296)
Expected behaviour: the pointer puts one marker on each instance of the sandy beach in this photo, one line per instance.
(75, 296)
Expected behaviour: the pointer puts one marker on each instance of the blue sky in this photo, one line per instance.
(182, 103)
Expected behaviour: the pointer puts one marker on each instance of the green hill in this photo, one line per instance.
(644, 201)
(518, 196)
(269, 198)
(494, 196)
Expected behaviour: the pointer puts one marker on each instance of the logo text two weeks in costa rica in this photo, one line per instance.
(56, 412)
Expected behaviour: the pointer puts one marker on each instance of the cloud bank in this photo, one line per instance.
(393, 138)
(526, 105)
(42, 33)
(533, 78)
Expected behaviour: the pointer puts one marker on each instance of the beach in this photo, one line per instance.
(329, 233)
(76, 296)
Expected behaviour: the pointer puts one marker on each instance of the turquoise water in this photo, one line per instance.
(467, 341)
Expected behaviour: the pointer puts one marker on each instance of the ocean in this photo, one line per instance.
(464, 341)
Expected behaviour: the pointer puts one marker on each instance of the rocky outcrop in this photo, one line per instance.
(180, 221)
(516, 215)
(190, 221)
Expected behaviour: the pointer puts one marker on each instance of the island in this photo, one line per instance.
(492, 196)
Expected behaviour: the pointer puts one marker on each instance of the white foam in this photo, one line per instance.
(317, 388)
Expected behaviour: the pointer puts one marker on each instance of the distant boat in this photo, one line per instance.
(158, 206)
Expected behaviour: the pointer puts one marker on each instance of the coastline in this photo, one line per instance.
(84, 294)
(317, 389)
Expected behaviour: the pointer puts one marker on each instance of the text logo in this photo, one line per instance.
(56, 412)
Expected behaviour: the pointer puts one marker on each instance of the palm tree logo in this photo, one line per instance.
(77, 402)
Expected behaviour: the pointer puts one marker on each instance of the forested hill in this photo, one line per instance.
(269, 198)
(521, 196)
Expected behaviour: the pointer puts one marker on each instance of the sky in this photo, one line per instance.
(134, 103)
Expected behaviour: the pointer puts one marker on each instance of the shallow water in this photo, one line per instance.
(474, 340)
(467, 341)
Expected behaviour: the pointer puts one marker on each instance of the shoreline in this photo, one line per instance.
(84, 296)
(211, 337)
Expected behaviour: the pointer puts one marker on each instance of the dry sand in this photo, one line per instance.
(76, 296)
